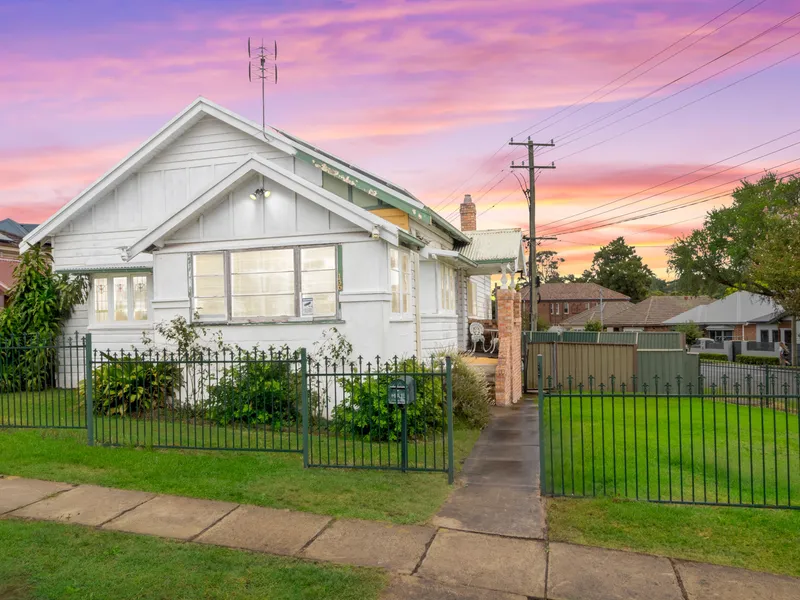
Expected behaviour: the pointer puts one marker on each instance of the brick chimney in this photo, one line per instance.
(468, 214)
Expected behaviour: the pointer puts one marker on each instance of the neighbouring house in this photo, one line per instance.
(741, 316)
(11, 234)
(596, 313)
(270, 240)
(559, 301)
(650, 314)
(7, 280)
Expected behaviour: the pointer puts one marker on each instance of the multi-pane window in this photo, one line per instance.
(265, 284)
(566, 308)
(400, 278)
(448, 280)
(558, 308)
(472, 298)
(120, 298)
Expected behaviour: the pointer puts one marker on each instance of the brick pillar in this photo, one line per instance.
(508, 382)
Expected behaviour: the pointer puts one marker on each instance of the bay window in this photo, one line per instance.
(120, 298)
(276, 284)
(400, 279)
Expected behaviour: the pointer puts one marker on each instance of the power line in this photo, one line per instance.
(572, 218)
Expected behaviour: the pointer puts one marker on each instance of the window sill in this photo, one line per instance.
(330, 321)
(399, 319)
(121, 326)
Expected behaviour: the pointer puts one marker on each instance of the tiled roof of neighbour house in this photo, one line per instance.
(7, 267)
(15, 231)
(493, 245)
(549, 292)
(655, 310)
(593, 314)
(739, 307)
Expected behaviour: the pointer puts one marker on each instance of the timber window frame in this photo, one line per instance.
(400, 282)
(121, 298)
(266, 285)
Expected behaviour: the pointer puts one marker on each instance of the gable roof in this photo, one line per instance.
(201, 107)
(7, 280)
(593, 314)
(738, 308)
(12, 230)
(655, 310)
(254, 164)
(553, 292)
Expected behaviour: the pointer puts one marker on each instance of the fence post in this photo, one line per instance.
(88, 385)
(304, 395)
(451, 467)
(540, 393)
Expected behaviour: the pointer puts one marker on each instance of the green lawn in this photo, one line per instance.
(262, 478)
(53, 561)
(673, 449)
(758, 539)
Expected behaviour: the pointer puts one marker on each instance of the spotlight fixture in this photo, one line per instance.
(260, 193)
(376, 234)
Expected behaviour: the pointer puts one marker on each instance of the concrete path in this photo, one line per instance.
(426, 563)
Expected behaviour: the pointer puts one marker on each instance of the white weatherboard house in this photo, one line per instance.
(270, 240)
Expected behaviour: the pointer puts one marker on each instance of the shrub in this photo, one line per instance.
(690, 330)
(470, 393)
(757, 360)
(129, 385)
(593, 325)
(713, 356)
(257, 390)
(364, 409)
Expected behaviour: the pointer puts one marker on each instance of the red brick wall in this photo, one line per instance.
(575, 307)
(508, 377)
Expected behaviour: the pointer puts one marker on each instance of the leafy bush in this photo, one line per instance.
(593, 325)
(757, 360)
(364, 409)
(713, 356)
(690, 330)
(470, 393)
(256, 391)
(129, 385)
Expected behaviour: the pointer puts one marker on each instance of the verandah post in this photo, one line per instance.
(304, 396)
(88, 385)
(540, 393)
(451, 467)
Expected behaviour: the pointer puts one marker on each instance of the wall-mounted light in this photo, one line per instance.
(376, 234)
(260, 193)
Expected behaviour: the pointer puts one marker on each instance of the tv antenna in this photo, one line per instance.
(265, 60)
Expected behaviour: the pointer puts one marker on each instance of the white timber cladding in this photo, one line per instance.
(439, 317)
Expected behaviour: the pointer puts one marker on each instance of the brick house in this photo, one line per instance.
(559, 301)
(7, 267)
(11, 234)
(648, 315)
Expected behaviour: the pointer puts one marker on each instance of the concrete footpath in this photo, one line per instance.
(487, 542)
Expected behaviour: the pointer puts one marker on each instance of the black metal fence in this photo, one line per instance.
(732, 376)
(346, 414)
(673, 441)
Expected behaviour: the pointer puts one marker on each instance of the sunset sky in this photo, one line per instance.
(427, 93)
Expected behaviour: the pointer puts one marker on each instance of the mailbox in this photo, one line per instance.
(403, 391)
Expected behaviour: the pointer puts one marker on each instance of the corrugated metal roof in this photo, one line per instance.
(494, 245)
(740, 307)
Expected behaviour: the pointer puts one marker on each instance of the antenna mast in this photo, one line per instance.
(266, 65)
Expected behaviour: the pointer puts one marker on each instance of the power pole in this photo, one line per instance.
(531, 166)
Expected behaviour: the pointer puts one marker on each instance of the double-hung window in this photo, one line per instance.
(121, 298)
(472, 299)
(400, 279)
(265, 285)
(448, 292)
(566, 308)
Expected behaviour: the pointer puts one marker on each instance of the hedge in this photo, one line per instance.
(713, 356)
(757, 360)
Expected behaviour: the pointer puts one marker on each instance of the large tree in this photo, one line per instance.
(776, 258)
(547, 264)
(719, 255)
(618, 267)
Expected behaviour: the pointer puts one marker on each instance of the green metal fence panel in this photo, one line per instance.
(660, 340)
(204, 399)
(580, 337)
(538, 337)
(39, 380)
(617, 337)
(675, 441)
(667, 365)
(359, 418)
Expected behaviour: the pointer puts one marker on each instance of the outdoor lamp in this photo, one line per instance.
(260, 193)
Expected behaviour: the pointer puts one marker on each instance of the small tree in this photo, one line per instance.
(593, 325)
(691, 331)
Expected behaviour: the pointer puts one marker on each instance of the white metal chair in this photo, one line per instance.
(476, 335)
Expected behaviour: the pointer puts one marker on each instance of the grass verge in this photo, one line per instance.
(48, 560)
(758, 539)
(262, 478)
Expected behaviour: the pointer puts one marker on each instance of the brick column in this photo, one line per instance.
(508, 382)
